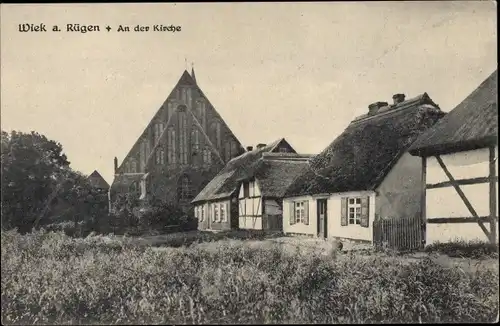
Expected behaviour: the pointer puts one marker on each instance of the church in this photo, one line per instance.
(183, 147)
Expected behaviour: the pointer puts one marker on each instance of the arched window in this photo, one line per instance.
(160, 156)
(195, 140)
(215, 128)
(158, 129)
(184, 188)
(133, 166)
(183, 141)
(135, 189)
(234, 148)
(171, 154)
(170, 109)
(207, 156)
(201, 111)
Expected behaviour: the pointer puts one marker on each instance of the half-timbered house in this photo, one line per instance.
(261, 191)
(365, 173)
(217, 205)
(460, 169)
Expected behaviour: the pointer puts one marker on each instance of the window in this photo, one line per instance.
(234, 148)
(160, 156)
(223, 212)
(188, 96)
(299, 212)
(354, 210)
(215, 127)
(133, 167)
(135, 190)
(201, 213)
(143, 189)
(283, 150)
(195, 139)
(183, 148)
(170, 109)
(171, 154)
(246, 190)
(216, 213)
(184, 188)
(201, 110)
(184, 95)
(158, 129)
(207, 156)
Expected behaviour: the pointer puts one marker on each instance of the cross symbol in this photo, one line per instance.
(108, 28)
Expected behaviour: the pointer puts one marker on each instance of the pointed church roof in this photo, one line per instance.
(193, 75)
(96, 180)
(186, 79)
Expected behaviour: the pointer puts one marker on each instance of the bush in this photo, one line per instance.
(54, 279)
(466, 249)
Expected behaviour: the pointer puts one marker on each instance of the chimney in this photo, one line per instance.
(374, 107)
(398, 98)
(261, 145)
(249, 148)
(116, 164)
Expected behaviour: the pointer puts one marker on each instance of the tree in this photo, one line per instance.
(39, 186)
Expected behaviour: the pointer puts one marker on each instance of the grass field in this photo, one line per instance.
(51, 278)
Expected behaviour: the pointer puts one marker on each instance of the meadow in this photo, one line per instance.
(51, 278)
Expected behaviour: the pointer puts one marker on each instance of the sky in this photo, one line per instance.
(301, 71)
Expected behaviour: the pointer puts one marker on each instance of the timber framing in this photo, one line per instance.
(461, 182)
(452, 220)
(493, 196)
(492, 179)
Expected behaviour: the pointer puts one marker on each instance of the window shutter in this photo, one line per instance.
(292, 213)
(226, 213)
(365, 214)
(343, 211)
(306, 212)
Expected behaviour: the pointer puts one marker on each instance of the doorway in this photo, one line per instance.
(322, 218)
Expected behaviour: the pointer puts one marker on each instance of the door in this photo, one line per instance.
(322, 218)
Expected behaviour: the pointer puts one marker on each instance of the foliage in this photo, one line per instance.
(39, 187)
(467, 249)
(54, 279)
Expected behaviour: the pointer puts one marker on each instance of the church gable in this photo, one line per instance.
(186, 130)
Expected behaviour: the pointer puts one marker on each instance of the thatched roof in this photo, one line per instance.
(361, 157)
(96, 180)
(472, 124)
(276, 173)
(225, 183)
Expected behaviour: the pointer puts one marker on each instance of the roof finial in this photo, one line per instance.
(192, 72)
(186, 63)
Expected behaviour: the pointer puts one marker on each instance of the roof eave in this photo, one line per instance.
(448, 148)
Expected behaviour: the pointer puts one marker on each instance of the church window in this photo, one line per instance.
(207, 156)
(216, 132)
(183, 147)
(171, 154)
(184, 188)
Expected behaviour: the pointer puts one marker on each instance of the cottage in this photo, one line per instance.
(242, 181)
(97, 181)
(261, 191)
(459, 169)
(365, 173)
